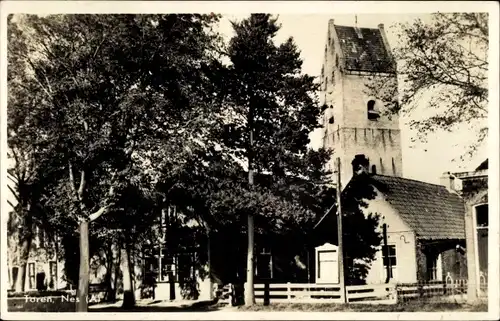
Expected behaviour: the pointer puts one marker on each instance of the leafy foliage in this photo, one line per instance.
(444, 65)
(106, 92)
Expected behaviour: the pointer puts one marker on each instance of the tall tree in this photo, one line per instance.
(32, 171)
(271, 109)
(443, 70)
(115, 82)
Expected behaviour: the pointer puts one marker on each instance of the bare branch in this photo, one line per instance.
(14, 193)
(83, 183)
(72, 180)
(99, 46)
(96, 215)
(12, 205)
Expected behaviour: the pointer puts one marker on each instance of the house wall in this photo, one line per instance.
(40, 256)
(398, 234)
(43, 265)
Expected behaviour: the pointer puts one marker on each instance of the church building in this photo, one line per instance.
(425, 229)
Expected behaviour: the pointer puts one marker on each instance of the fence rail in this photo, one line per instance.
(449, 290)
(325, 293)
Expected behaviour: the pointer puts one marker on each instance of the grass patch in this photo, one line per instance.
(400, 307)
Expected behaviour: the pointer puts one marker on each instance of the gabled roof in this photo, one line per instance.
(364, 49)
(430, 210)
(483, 166)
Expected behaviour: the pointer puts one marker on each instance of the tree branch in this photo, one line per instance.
(72, 180)
(10, 203)
(96, 215)
(16, 195)
(99, 46)
(83, 183)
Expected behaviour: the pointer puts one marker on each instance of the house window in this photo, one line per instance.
(372, 110)
(264, 265)
(53, 275)
(172, 213)
(389, 259)
(482, 216)
(185, 264)
(168, 267)
(31, 275)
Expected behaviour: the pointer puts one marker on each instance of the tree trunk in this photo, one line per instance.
(128, 291)
(83, 279)
(249, 289)
(114, 267)
(23, 261)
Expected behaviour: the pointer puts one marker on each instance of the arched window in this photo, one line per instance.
(372, 110)
(374, 169)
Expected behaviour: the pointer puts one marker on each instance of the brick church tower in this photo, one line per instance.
(355, 125)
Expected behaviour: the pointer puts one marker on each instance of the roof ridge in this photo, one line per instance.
(410, 179)
(356, 27)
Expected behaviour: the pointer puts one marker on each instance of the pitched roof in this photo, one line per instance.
(429, 209)
(483, 166)
(364, 51)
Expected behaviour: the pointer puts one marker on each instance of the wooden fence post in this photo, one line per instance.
(266, 292)
(288, 291)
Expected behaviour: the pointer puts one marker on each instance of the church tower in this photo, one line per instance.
(355, 125)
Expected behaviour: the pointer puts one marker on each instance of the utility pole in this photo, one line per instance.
(343, 296)
(249, 289)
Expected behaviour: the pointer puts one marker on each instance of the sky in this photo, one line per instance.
(421, 161)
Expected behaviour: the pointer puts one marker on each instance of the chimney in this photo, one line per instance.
(360, 164)
(448, 181)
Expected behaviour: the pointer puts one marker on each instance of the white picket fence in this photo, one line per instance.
(326, 293)
(450, 289)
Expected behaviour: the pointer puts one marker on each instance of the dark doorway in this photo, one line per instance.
(40, 281)
(482, 243)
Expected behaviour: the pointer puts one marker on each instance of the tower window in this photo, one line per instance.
(330, 120)
(373, 113)
(374, 169)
